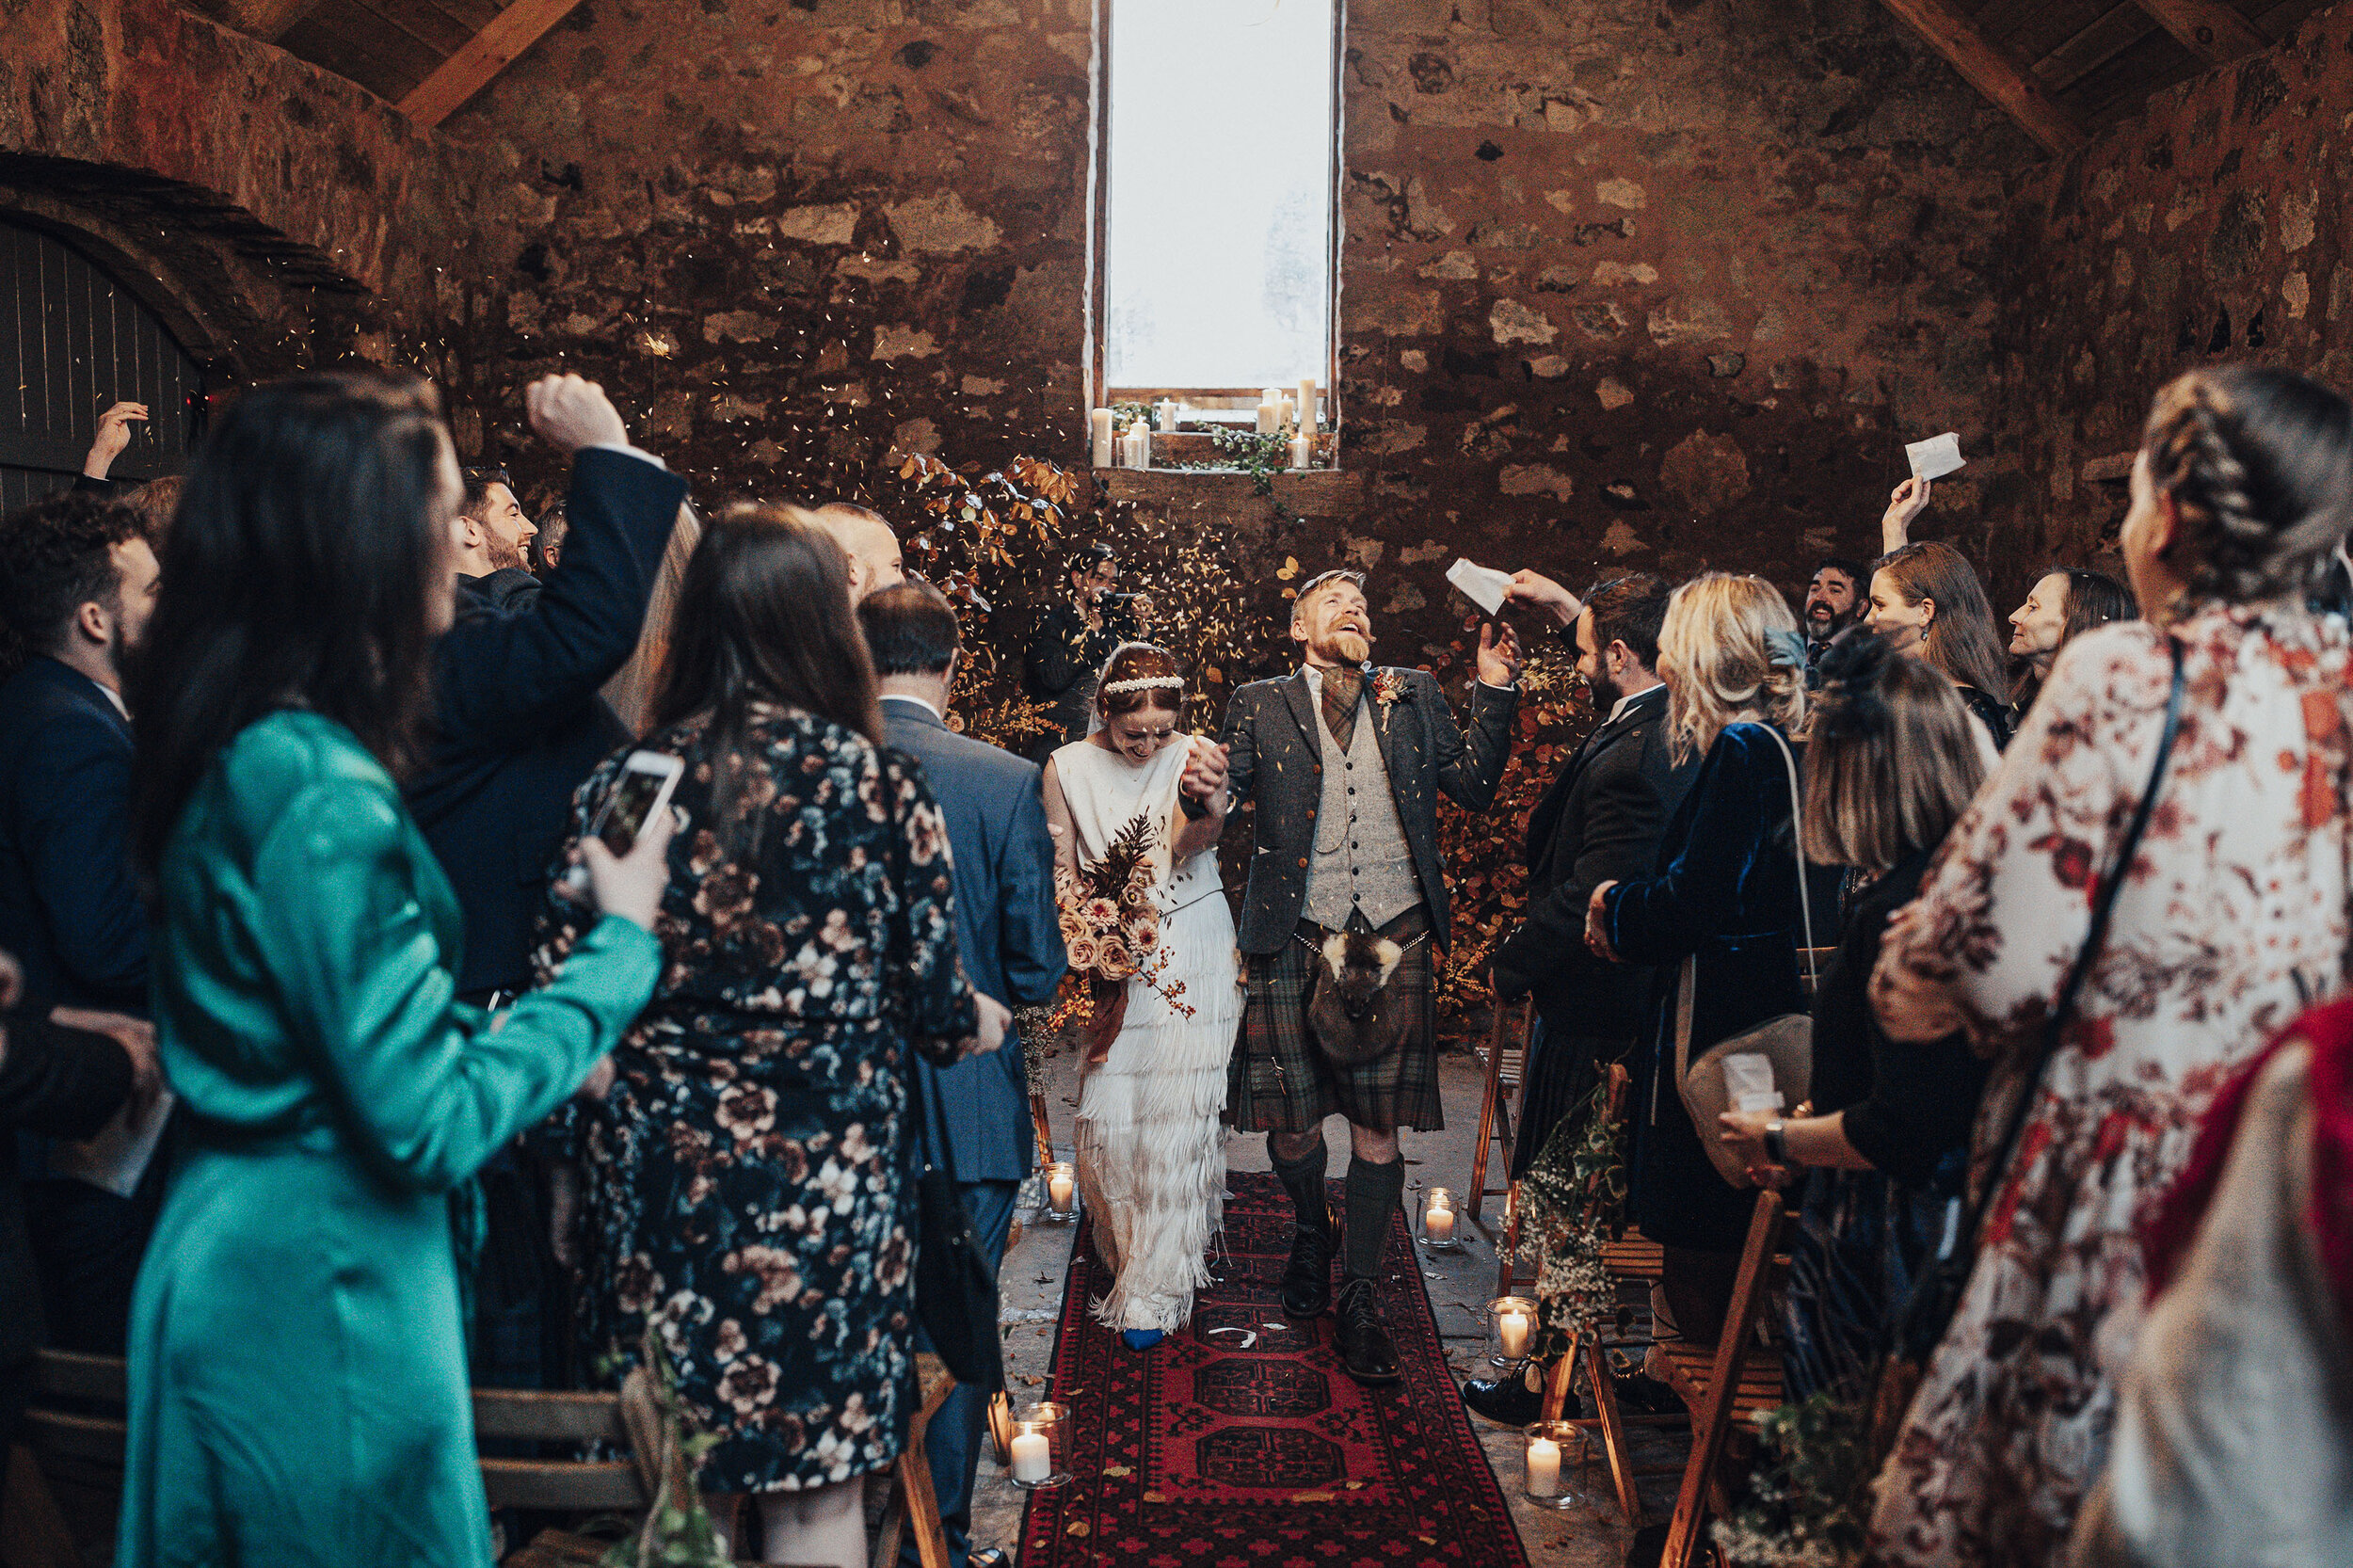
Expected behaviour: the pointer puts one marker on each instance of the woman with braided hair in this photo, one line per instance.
(2231, 912)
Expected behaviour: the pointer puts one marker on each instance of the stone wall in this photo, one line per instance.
(2207, 228)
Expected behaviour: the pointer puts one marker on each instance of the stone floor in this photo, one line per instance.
(1460, 1285)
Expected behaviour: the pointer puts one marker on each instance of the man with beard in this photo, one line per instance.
(493, 557)
(1344, 762)
(1600, 820)
(77, 583)
(1833, 602)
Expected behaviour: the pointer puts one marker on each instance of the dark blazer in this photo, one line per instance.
(1064, 657)
(1725, 890)
(1006, 929)
(55, 1082)
(518, 721)
(69, 900)
(1599, 822)
(1277, 761)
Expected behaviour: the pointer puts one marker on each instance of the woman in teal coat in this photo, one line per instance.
(298, 1385)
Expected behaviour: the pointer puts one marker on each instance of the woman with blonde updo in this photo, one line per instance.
(2232, 911)
(1725, 896)
(1151, 1145)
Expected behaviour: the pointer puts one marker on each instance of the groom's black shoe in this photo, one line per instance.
(1506, 1400)
(1307, 1278)
(1366, 1348)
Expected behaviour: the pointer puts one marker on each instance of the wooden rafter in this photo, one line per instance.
(266, 20)
(475, 67)
(1993, 71)
(2207, 28)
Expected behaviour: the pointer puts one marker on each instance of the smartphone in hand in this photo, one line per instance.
(644, 788)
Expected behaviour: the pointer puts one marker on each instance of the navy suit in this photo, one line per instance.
(69, 902)
(69, 911)
(1012, 947)
(517, 723)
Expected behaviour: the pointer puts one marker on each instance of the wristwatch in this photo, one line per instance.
(1776, 1146)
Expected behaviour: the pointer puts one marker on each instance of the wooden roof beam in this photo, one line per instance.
(265, 20)
(1986, 66)
(2213, 31)
(513, 31)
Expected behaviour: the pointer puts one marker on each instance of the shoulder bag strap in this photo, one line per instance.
(1796, 843)
(2103, 906)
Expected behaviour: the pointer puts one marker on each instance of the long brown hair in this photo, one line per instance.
(312, 536)
(1960, 641)
(1892, 757)
(763, 615)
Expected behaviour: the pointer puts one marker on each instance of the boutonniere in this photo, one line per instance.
(1387, 686)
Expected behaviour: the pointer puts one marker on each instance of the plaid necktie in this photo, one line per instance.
(1341, 688)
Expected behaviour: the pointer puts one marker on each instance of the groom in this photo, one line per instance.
(1346, 762)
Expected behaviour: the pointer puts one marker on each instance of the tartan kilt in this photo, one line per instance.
(1279, 1081)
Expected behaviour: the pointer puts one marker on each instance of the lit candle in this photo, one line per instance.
(1059, 1188)
(1513, 1329)
(1284, 409)
(1139, 444)
(1303, 451)
(1267, 412)
(1306, 402)
(1033, 1458)
(1544, 1466)
(1437, 1221)
(1167, 409)
(1100, 423)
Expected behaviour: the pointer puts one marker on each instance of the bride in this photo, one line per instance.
(1151, 1145)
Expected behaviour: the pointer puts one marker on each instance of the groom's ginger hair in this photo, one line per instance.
(1324, 580)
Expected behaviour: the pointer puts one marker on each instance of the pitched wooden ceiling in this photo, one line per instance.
(2064, 69)
(427, 56)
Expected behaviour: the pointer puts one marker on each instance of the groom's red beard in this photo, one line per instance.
(1348, 647)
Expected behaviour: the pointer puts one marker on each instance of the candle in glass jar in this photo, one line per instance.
(1544, 1466)
(1513, 1329)
(1303, 451)
(1059, 1188)
(1033, 1458)
(1100, 423)
(1437, 1221)
(1267, 412)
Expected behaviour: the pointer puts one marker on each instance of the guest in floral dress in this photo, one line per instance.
(745, 1186)
(2234, 909)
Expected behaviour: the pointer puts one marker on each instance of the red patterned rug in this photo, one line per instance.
(1222, 1451)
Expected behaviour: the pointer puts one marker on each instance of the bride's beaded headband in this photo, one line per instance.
(1144, 684)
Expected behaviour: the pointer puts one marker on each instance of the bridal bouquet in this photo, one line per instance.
(1112, 931)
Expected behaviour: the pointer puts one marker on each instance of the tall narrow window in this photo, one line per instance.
(1218, 196)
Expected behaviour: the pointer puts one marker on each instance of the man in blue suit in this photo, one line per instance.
(77, 581)
(1012, 952)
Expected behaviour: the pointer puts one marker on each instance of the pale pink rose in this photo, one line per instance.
(1116, 962)
(1085, 952)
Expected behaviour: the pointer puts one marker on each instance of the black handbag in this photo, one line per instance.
(956, 1290)
(1936, 1299)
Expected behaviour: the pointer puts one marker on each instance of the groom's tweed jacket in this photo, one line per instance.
(1278, 763)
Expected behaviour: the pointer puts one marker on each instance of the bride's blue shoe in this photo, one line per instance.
(1142, 1338)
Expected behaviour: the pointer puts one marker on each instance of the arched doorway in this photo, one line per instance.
(71, 343)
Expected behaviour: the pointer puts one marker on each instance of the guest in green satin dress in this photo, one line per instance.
(297, 1383)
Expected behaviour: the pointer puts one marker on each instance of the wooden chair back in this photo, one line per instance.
(1735, 1378)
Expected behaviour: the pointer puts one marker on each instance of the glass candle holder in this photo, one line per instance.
(1511, 1330)
(1062, 1192)
(1041, 1447)
(1552, 1451)
(1439, 1222)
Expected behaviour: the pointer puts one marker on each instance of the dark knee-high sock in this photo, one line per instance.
(1372, 1194)
(1303, 1178)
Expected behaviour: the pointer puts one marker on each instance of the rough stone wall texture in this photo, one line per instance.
(2209, 228)
(275, 197)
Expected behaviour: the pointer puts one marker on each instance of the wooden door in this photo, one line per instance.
(71, 343)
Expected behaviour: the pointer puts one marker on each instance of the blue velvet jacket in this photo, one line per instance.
(1725, 891)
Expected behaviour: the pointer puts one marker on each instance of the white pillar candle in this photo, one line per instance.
(1306, 402)
(1167, 410)
(1303, 451)
(1437, 1222)
(1139, 445)
(1099, 427)
(1512, 1328)
(1284, 410)
(1059, 1189)
(1544, 1466)
(1271, 395)
(1033, 1458)
(1267, 412)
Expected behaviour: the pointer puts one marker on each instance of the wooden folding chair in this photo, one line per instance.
(1505, 1057)
(1730, 1384)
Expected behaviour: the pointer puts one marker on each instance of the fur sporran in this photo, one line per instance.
(1353, 1015)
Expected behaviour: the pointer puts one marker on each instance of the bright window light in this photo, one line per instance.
(1217, 260)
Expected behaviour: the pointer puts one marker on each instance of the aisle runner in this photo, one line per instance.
(1214, 1449)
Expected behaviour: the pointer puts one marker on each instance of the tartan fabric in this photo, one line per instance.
(1279, 1081)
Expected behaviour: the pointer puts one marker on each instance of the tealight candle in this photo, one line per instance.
(1544, 1466)
(1033, 1458)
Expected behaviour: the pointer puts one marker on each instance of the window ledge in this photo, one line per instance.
(1310, 492)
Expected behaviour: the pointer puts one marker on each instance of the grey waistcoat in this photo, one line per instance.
(1361, 859)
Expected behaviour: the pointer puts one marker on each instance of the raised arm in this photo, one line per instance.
(1909, 500)
(367, 990)
(1471, 773)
